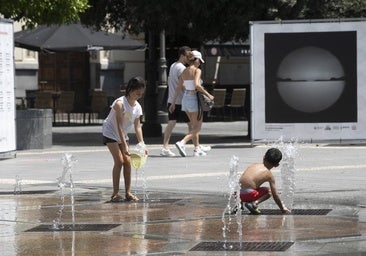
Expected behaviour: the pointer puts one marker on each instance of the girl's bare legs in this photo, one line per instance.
(117, 166)
(199, 127)
(127, 177)
(121, 160)
(195, 128)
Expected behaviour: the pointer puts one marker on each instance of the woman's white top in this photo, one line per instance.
(130, 114)
(189, 85)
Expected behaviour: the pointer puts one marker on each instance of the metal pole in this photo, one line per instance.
(163, 66)
(162, 87)
(151, 126)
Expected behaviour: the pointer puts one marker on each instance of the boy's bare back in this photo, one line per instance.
(254, 176)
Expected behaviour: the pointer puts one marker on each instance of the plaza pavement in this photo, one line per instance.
(186, 199)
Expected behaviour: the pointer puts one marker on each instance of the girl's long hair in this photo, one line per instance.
(135, 83)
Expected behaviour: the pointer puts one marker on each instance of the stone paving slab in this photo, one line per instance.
(187, 199)
(164, 228)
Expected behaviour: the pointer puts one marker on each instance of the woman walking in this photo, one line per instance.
(190, 81)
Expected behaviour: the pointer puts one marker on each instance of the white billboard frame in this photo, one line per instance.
(7, 94)
(269, 124)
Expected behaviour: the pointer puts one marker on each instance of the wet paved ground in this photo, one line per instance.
(187, 199)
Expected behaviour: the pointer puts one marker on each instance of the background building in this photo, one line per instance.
(80, 72)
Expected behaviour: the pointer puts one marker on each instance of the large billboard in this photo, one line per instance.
(7, 102)
(308, 80)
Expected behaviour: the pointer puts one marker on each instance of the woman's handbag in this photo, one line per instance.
(204, 102)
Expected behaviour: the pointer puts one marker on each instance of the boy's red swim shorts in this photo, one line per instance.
(253, 194)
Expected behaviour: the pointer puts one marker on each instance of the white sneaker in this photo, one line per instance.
(181, 148)
(205, 148)
(199, 152)
(166, 152)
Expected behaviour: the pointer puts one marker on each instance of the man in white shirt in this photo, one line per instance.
(175, 71)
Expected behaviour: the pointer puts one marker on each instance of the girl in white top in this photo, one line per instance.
(125, 112)
(190, 81)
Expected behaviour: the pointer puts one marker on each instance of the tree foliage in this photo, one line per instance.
(327, 9)
(211, 19)
(33, 12)
(195, 20)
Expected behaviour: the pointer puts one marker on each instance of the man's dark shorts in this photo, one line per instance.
(178, 115)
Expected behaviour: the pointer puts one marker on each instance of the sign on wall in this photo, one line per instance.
(308, 80)
(7, 105)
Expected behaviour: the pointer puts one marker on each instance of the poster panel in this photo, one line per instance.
(7, 101)
(308, 80)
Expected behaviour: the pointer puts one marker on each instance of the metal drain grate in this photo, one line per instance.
(296, 211)
(244, 246)
(73, 227)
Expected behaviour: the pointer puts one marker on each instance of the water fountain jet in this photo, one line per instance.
(233, 204)
(18, 185)
(68, 162)
(138, 160)
(289, 151)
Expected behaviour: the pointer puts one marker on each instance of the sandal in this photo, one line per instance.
(252, 207)
(131, 197)
(116, 198)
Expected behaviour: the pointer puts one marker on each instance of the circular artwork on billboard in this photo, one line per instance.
(310, 79)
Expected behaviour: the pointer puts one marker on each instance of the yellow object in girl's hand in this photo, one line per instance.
(138, 161)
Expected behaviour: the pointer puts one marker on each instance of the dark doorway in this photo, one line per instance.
(66, 72)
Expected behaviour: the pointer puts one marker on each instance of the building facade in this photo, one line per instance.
(107, 71)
